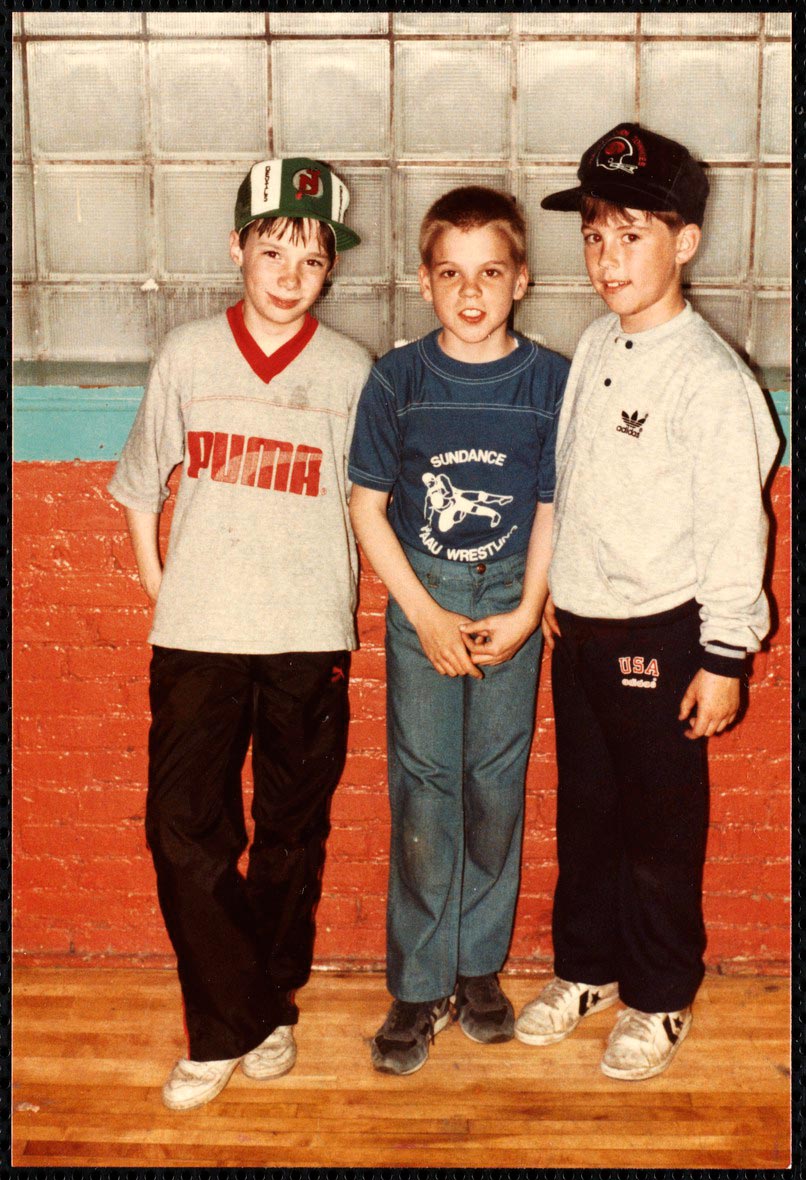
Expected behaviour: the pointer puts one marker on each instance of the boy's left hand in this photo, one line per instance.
(497, 638)
(717, 702)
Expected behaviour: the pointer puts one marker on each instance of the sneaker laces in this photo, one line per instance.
(405, 1016)
(638, 1025)
(196, 1071)
(557, 993)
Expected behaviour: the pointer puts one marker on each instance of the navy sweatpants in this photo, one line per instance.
(632, 810)
(243, 945)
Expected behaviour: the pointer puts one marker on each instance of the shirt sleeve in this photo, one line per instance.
(547, 464)
(155, 445)
(730, 435)
(348, 438)
(375, 451)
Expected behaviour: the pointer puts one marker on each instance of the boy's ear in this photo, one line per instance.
(332, 266)
(688, 241)
(235, 251)
(521, 283)
(425, 283)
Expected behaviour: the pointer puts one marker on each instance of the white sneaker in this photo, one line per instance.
(192, 1083)
(559, 1008)
(273, 1057)
(643, 1043)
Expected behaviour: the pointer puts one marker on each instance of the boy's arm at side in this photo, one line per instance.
(496, 639)
(437, 628)
(144, 534)
(733, 441)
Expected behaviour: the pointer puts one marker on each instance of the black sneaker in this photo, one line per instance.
(484, 1013)
(401, 1043)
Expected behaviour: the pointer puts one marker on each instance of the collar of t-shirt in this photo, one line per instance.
(269, 366)
(448, 366)
(652, 336)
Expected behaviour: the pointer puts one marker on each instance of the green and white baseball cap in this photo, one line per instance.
(295, 187)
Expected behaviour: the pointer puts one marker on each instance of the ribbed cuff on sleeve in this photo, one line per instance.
(723, 659)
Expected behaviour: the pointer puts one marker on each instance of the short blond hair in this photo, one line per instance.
(473, 207)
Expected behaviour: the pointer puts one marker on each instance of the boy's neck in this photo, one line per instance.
(652, 317)
(496, 346)
(268, 336)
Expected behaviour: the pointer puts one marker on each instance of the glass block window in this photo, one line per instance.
(93, 221)
(443, 24)
(100, 112)
(775, 113)
(206, 24)
(223, 84)
(465, 115)
(23, 258)
(701, 75)
(773, 226)
(570, 92)
(331, 98)
(123, 189)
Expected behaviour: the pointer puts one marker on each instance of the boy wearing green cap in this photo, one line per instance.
(253, 622)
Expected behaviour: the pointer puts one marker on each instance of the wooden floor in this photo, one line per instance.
(93, 1046)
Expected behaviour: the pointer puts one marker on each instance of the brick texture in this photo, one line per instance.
(83, 882)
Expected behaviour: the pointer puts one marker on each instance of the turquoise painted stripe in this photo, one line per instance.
(62, 424)
(59, 424)
(781, 399)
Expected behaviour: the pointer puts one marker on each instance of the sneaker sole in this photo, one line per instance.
(404, 1073)
(264, 1076)
(640, 1075)
(192, 1103)
(498, 1038)
(555, 1038)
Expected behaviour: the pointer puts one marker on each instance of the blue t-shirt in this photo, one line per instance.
(467, 450)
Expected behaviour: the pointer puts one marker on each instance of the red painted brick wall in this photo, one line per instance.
(83, 884)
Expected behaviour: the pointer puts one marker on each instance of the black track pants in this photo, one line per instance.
(242, 945)
(632, 810)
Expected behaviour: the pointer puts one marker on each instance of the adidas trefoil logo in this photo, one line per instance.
(631, 424)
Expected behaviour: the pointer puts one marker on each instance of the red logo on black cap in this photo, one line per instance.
(615, 154)
(620, 153)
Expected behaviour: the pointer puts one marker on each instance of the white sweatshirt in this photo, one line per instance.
(664, 444)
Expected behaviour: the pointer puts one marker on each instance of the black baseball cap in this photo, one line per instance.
(638, 169)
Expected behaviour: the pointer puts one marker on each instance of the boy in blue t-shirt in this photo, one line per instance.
(458, 430)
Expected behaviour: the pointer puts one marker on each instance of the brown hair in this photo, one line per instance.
(280, 226)
(595, 209)
(473, 207)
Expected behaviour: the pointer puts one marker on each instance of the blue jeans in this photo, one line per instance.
(458, 749)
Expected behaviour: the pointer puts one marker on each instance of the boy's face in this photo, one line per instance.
(472, 282)
(281, 278)
(636, 267)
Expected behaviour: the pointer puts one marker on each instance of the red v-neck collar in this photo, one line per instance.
(267, 367)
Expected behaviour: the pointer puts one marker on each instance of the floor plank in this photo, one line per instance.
(92, 1047)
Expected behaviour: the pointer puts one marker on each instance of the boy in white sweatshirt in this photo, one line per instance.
(664, 445)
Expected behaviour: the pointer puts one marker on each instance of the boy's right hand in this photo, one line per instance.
(151, 585)
(549, 624)
(442, 642)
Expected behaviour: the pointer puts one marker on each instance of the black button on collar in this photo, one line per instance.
(607, 381)
(628, 344)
